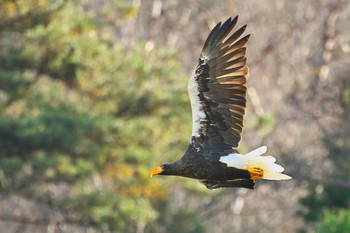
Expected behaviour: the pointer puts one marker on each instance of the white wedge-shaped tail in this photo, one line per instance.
(260, 167)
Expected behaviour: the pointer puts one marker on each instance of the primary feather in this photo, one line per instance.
(217, 88)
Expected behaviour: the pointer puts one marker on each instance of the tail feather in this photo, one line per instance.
(271, 170)
(257, 152)
(266, 166)
(268, 175)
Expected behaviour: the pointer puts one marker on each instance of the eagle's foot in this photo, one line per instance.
(255, 172)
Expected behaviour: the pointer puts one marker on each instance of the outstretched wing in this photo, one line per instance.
(217, 89)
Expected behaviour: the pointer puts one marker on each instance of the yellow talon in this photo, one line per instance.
(255, 172)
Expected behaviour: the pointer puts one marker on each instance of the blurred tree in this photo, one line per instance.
(334, 221)
(81, 116)
(326, 205)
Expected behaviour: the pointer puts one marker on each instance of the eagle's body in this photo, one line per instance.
(218, 100)
(204, 165)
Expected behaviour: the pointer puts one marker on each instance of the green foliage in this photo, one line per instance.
(83, 112)
(334, 221)
(323, 197)
(113, 212)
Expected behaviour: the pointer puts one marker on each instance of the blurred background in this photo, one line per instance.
(93, 94)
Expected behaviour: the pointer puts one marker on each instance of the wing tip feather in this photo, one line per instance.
(223, 53)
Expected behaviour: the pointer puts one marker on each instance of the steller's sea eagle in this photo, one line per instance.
(218, 99)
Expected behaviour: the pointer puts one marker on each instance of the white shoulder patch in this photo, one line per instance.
(196, 106)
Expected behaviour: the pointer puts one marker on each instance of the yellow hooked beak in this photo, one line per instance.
(157, 170)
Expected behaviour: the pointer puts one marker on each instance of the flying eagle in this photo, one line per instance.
(218, 100)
